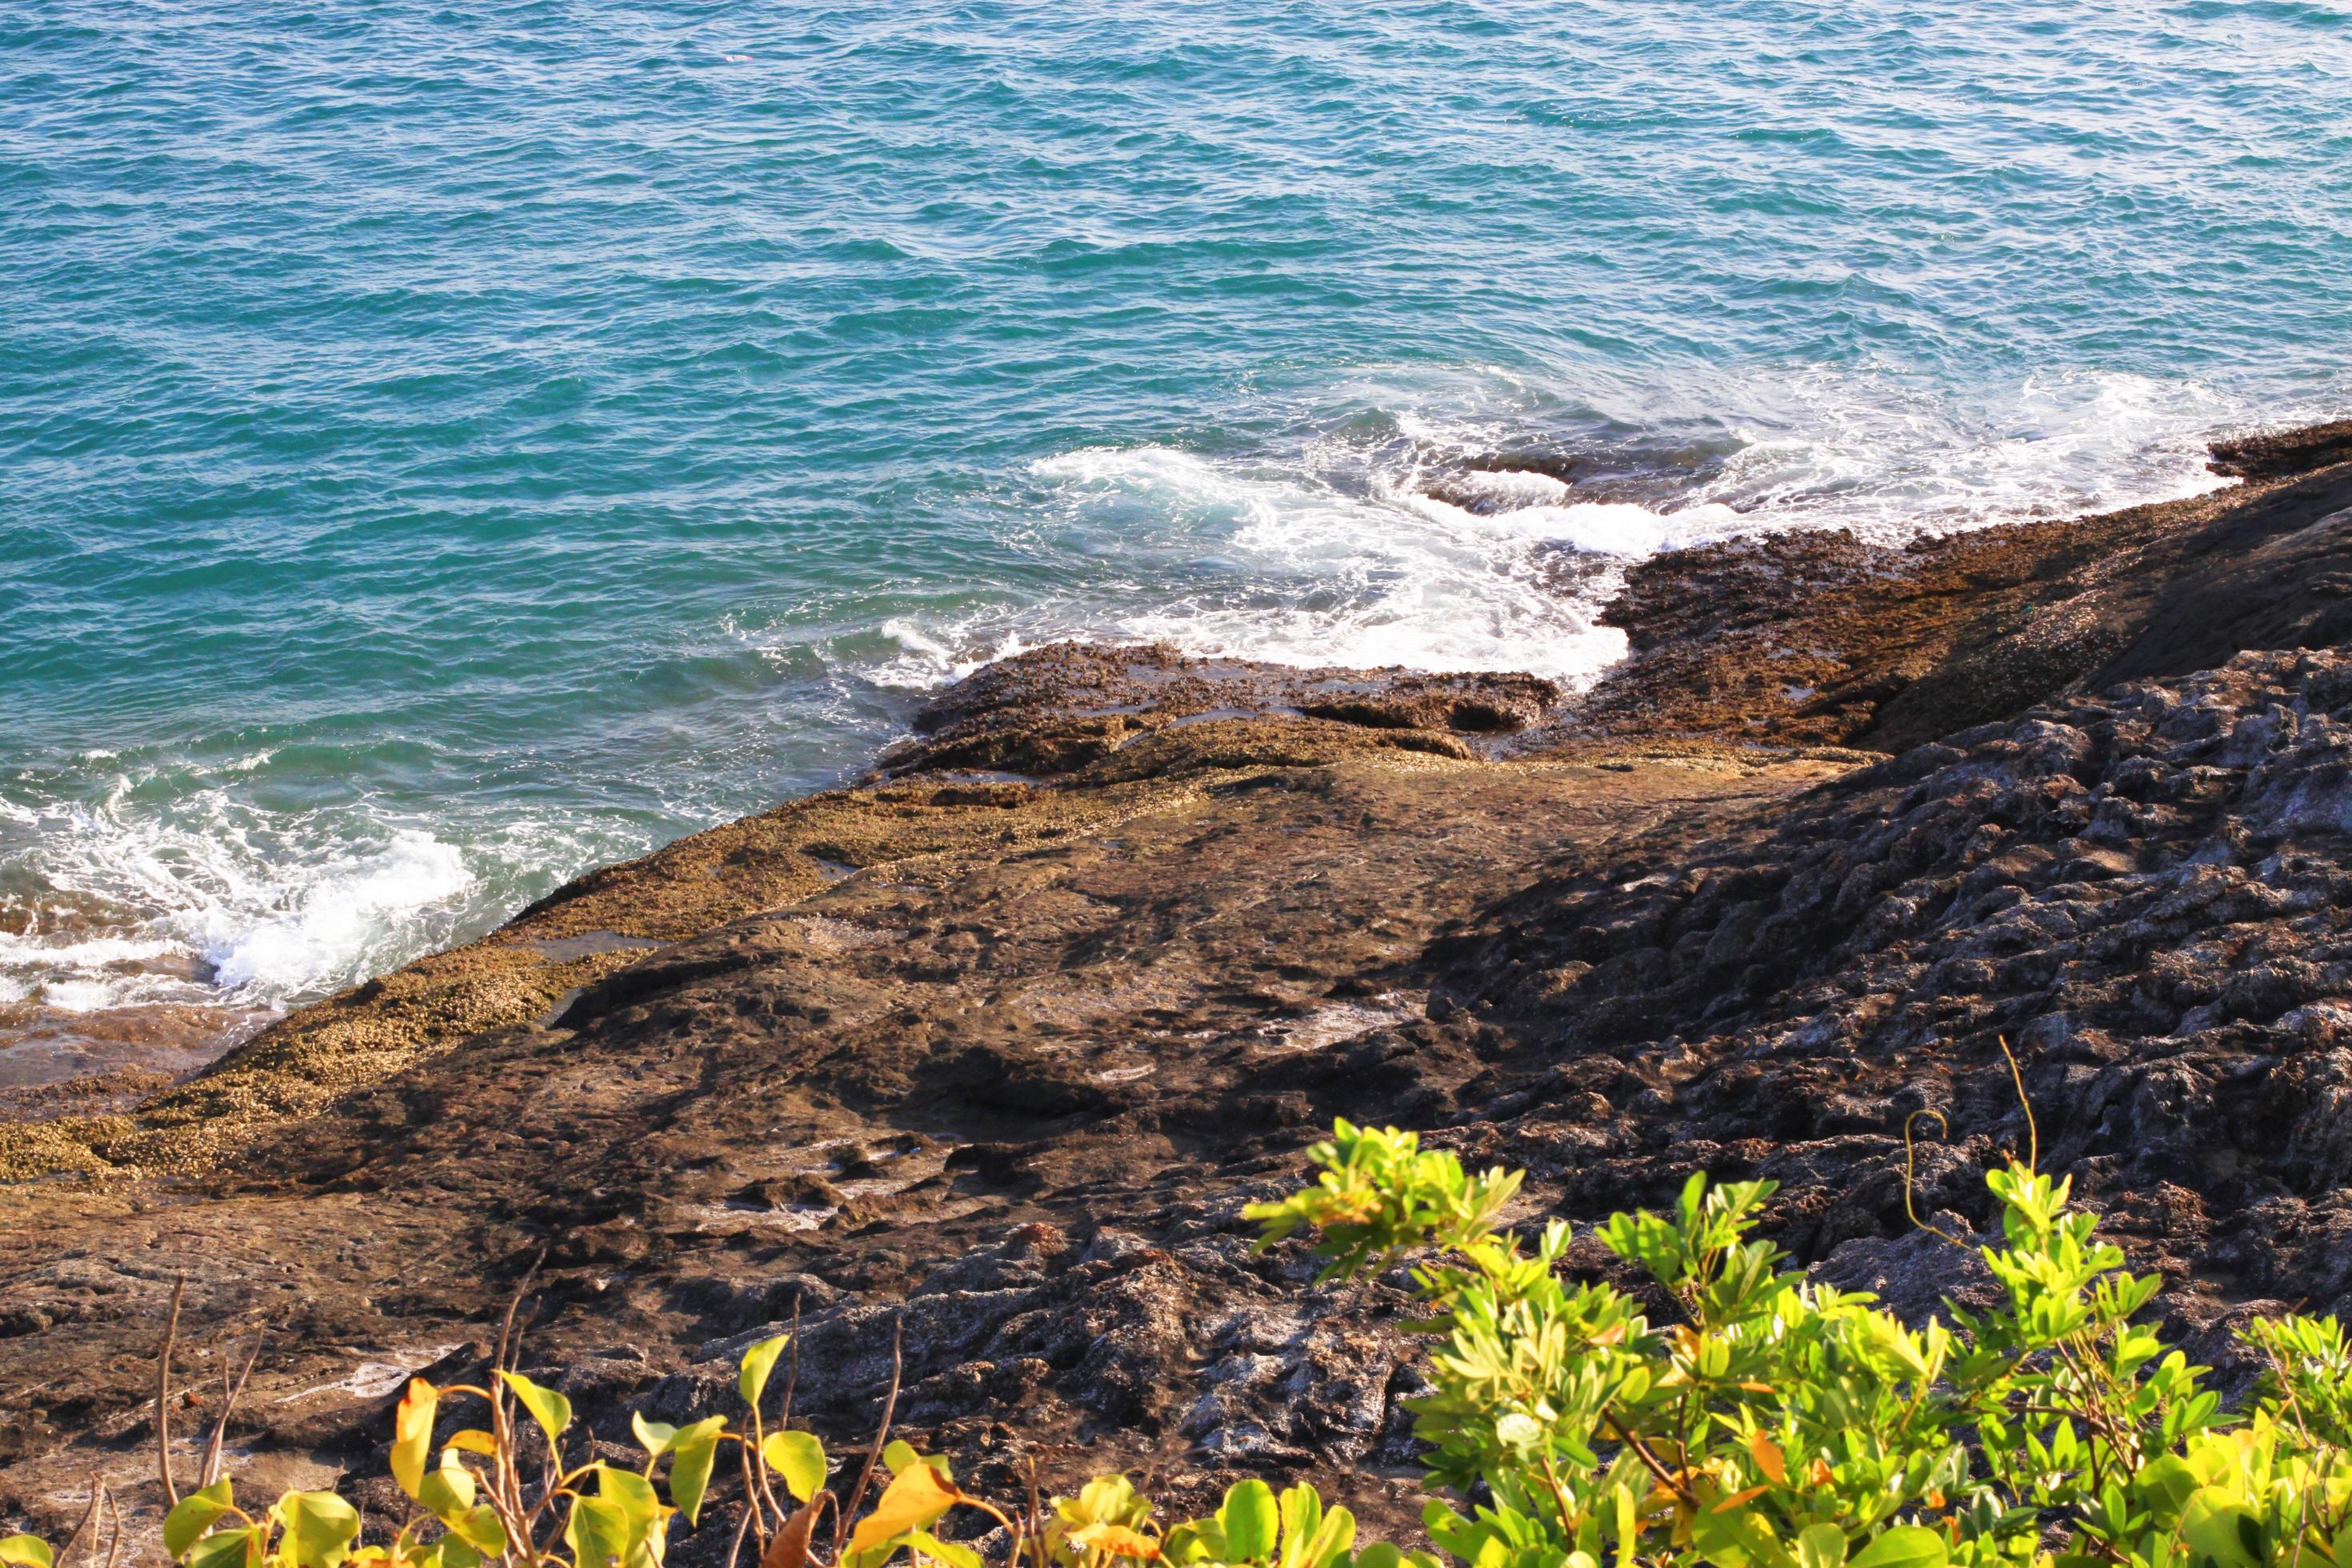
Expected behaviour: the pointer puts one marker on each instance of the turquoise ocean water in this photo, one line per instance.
(442, 448)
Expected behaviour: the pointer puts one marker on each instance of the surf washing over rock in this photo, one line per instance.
(165, 905)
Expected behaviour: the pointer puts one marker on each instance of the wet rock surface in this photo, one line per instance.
(1054, 710)
(1819, 637)
(983, 1059)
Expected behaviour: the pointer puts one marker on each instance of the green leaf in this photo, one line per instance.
(1248, 1518)
(1738, 1538)
(758, 1363)
(898, 1454)
(634, 1495)
(1195, 1541)
(799, 1458)
(548, 1408)
(447, 1491)
(2218, 1525)
(229, 1549)
(1328, 1541)
(692, 1452)
(947, 1551)
(2166, 1483)
(1905, 1546)
(1302, 1516)
(653, 1436)
(479, 1528)
(189, 1520)
(598, 1532)
(28, 1551)
(320, 1528)
(1821, 1546)
(1380, 1554)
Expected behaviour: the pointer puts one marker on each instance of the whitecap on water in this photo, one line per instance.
(333, 918)
(1283, 564)
(135, 916)
(1411, 545)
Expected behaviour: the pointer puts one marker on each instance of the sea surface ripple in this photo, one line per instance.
(442, 448)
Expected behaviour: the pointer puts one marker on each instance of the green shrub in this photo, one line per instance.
(1773, 1423)
(1777, 1422)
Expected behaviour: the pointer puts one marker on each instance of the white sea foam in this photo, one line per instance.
(1302, 572)
(1893, 458)
(929, 659)
(1369, 541)
(1353, 553)
(182, 902)
(332, 916)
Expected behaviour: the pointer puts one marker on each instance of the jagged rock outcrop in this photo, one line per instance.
(2143, 892)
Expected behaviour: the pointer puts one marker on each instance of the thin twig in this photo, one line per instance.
(1641, 1452)
(792, 1375)
(164, 1397)
(87, 1515)
(114, 1517)
(751, 1495)
(508, 1479)
(742, 1525)
(2032, 1133)
(889, 1408)
(211, 1471)
(1909, 1174)
(1036, 1517)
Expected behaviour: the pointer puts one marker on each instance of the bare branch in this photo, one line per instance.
(742, 1526)
(1034, 1520)
(232, 1391)
(114, 1517)
(881, 1436)
(2032, 1133)
(508, 1476)
(164, 1397)
(1910, 1173)
(755, 1509)
(96, 1488)
(792, 1376)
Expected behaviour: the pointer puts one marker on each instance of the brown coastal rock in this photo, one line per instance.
(993, 1050)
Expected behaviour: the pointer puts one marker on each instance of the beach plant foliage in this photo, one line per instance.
(1738, 1414)
(1716, 1409)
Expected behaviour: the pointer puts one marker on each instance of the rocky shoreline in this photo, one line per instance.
(994, 1047)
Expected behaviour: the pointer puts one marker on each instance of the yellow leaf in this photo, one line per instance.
(1116, 1539)
(412, 1432)
(915, 1497)
(1769, 1459)
(474, 1440)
